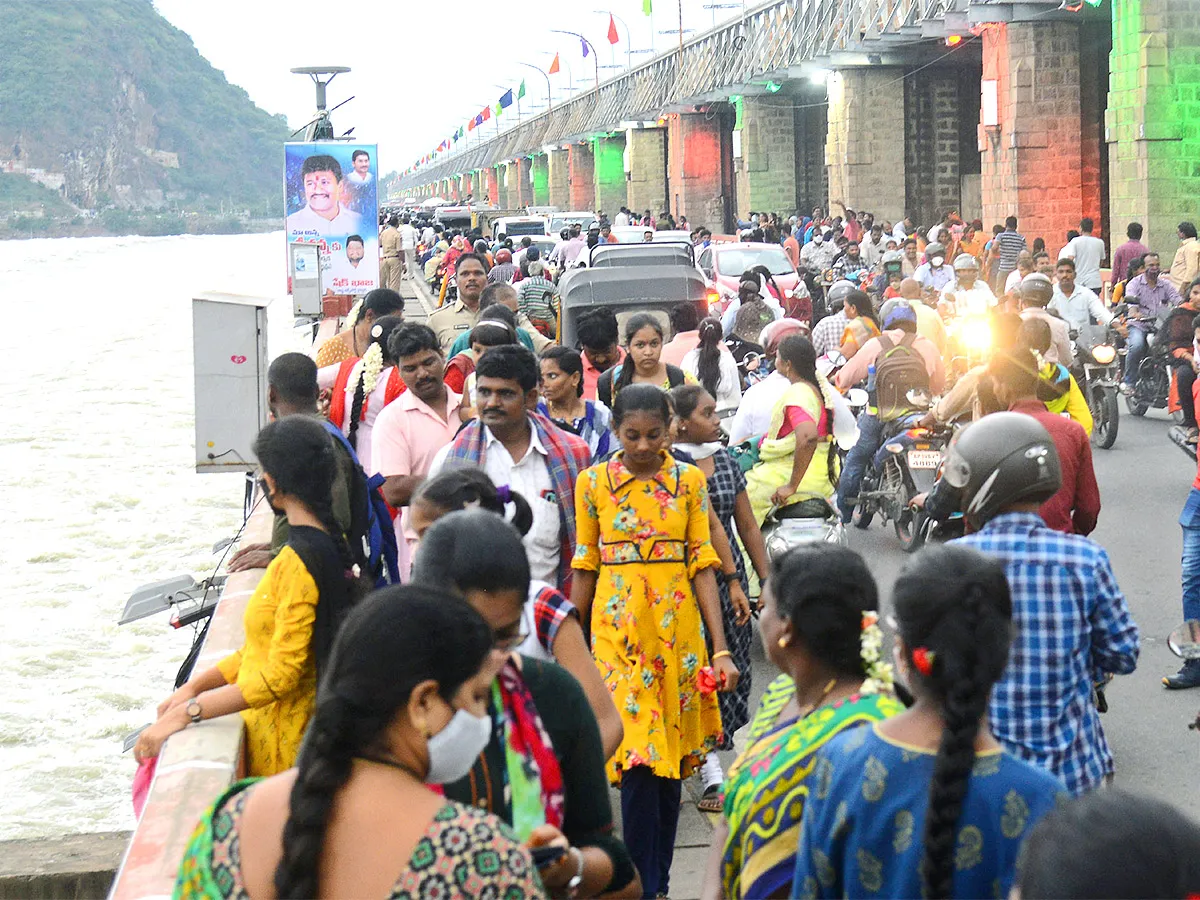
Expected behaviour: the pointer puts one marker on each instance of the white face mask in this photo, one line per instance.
(937, 261)
(817, 239)
(454, 749)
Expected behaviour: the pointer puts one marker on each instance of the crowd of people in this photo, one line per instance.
(571, 560)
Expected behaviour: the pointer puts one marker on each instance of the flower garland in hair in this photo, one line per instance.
(352, 316)
(826, 391)
(372, 361)
(879, 673)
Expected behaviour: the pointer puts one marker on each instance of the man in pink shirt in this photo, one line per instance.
(412, 429)
(596, 332)
(685, 322)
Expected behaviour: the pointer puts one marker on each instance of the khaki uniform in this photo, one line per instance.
(390, 266)
(451, 321)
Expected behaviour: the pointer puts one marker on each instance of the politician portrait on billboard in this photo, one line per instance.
(332, 202)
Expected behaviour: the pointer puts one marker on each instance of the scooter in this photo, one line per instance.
(807, 522)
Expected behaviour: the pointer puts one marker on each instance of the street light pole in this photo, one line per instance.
(595, 55)
(549, 93)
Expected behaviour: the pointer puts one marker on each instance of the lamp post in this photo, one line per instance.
(549, 93)
(586, 43)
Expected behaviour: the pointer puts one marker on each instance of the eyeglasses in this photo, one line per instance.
(508, 642)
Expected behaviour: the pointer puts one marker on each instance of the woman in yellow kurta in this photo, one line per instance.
(644, 556)
(290, 620)
(794, 460)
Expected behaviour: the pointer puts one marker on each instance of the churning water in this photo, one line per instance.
(99, 497)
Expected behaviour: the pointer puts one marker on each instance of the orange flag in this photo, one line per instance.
(554, 65)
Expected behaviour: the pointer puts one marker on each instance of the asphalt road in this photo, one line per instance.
(1144, 480)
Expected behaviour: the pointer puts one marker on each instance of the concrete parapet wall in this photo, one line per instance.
(197, 763)
(79, 865)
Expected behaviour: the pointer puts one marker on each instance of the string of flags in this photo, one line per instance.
(508, 98)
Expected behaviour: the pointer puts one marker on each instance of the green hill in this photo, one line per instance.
(111, 95)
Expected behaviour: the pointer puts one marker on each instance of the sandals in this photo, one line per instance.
(713, 800)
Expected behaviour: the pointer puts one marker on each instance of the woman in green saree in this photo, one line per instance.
(819, 627)
(796, 459)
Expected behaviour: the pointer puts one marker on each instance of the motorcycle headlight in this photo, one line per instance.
(977, 335)
(1104, 354)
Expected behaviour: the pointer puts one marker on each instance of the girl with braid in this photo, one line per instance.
(928, 804)
(402, 707)
(292, 617)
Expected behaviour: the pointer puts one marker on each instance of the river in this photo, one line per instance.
(100, 497)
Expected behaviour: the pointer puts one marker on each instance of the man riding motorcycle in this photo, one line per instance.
(967, 295)
(1036, 292)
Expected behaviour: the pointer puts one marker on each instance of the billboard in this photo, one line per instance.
(331, 190)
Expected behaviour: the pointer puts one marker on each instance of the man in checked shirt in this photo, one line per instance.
(1072, 627)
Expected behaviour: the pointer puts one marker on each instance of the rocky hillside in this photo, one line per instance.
(109, 100)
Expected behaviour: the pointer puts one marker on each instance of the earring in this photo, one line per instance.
(783, 643)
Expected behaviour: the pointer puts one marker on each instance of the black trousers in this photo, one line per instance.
(649, 820)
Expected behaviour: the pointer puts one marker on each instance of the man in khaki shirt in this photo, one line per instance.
(1186, 266)
(390, 267)
(454, 318)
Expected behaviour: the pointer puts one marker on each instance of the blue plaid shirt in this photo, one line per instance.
(1072, 625)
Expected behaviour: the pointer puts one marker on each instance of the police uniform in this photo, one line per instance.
(451, 321)
(390, 268)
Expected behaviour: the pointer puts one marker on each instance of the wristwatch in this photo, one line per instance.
(730, 577)
(194, 711)
(577, 879)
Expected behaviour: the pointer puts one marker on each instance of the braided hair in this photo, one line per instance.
(802, 356)
(390, 643)
(953, 604)
(470, 550)
(708, 362)
(467, 487)
(380, 331)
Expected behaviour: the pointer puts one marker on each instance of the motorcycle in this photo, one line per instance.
(1152, 387)
(969, 344)
(1096, 360)
(906, 465)
(807, 522)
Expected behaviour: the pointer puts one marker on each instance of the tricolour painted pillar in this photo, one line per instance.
(767, 176)
(647, 183)
(539, 169)
(1034, 162)
(582, 179)
(1153, 119)
(608, 166)
(864, 146)
(558, 178)
(694, 168)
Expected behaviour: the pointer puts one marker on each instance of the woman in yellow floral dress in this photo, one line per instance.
(644, 556)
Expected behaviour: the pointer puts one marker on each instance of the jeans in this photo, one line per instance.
(649, 820)
(1189, 520)
(870, 436)
(1137, 350)
(1185, 377)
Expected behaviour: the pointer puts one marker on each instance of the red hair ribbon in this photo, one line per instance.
(923, 661)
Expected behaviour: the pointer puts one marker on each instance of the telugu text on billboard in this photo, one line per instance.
(332, 202)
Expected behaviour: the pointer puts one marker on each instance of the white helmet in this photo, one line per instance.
(965, 261)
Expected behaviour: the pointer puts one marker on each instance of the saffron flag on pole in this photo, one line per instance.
(506, 99)
(613, 37)
(471, 125)
(521, 89)
(554, 66)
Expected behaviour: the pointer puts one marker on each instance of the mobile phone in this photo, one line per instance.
(548, 855)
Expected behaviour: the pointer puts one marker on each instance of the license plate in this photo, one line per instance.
(924, 459)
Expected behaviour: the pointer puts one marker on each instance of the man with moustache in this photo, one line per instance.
(322, 214)
(415, 426)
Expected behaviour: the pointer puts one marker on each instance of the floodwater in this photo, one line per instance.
(99, 497)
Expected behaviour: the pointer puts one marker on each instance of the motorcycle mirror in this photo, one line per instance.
(1184, 641)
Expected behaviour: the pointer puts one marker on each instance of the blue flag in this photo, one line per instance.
(506, 99)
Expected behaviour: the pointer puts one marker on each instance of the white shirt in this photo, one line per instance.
(1088, 253)
(620, 219)
(729, 387)
(1060, 336)
(818, 256)
(1077, 308)
(306, 222)
(1013, 281)
(359, 179)
(899, 233)
(428, 235)
(531, 479)
(976, 301)
(408, 237)
(758, 403)
(531, 646)
(871, 253)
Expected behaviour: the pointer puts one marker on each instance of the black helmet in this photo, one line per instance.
(1002, 459)
(1036, 289)
(838, 292)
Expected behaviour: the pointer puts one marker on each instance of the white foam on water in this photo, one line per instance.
(99, 497)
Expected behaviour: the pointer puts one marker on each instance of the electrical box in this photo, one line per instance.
(304, 267)
(229, 337)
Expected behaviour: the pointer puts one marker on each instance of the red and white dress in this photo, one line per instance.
(343, 380)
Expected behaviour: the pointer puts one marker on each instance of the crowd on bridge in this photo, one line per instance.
(507, 573)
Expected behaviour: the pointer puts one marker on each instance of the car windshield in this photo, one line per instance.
(511, 228)
(734, 262)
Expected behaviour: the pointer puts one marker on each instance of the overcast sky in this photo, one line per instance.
(419, 72)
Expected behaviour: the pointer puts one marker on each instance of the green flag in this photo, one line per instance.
(499, 109)
(647, 8)
(521, 90)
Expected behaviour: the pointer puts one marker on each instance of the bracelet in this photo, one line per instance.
(730, 577)
(721, 653)
(577, 879)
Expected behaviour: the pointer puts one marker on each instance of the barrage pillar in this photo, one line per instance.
(608, 171)
(558, 178)
(696, 174)
(582, 179)
(767, 174)
(864, 144)
(646, 186)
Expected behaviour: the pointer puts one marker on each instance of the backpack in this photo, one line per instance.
(372, 537)
(899, 368)
(1176, 331)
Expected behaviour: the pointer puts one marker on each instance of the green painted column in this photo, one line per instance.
(1153, 120)
(539, 168)
(609, 172)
